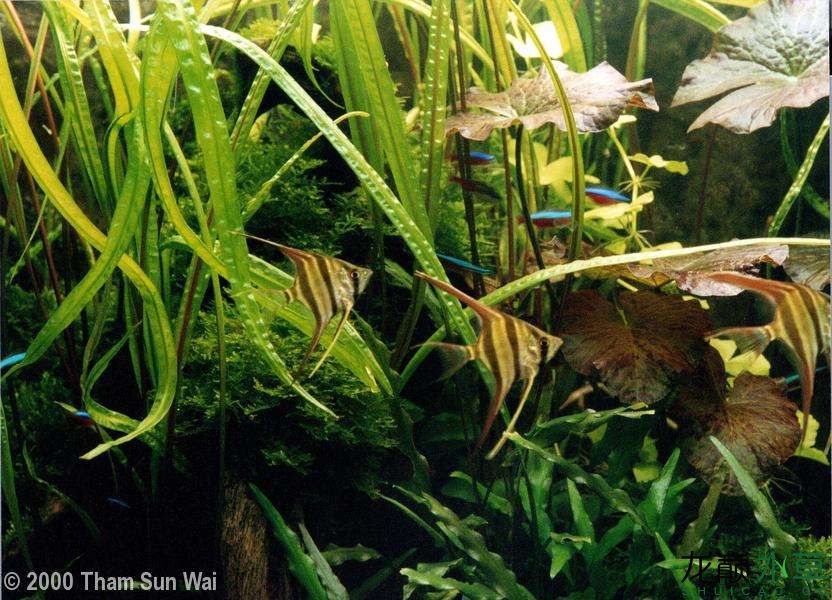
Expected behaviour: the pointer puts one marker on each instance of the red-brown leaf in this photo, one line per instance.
(638, 349)
(756, 422)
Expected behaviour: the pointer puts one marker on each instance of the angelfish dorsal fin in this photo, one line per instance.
(485, 313)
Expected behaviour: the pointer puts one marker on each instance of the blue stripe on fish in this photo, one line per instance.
(548, 218)
(117, 503)
(83, 417)
(464, 264)
(605, 195)
(476, 158)
(795, 377)
(12, 360)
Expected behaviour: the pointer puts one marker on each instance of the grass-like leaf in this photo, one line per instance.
(372, 181)
(781, 541)
(164, 361)
(180, 21)
(301, 566)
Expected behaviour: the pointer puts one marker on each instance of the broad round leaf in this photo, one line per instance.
(756, 422)
(637, 348)
(597, 97)
(776, 56)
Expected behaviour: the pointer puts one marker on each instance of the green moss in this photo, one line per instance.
(272, 432)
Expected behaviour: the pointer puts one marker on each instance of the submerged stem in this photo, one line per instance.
(527, 217)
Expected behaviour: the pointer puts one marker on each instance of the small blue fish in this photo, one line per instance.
(464, 264)
(84, 418)
(605, 196)
(476, 158)
(117, 503)
(12, 360)
(548, 218)
(795, 377)
(476, 187)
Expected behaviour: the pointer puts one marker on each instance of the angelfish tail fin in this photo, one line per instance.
(452, 356)
(748, 339)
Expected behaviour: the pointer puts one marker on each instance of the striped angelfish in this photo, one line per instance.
(800, 323)
(512, 349)
(327, 286)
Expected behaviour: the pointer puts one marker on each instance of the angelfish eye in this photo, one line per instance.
(544, 343)
(354, 274)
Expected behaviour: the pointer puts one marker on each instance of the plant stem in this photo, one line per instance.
(220, 310)
(463, 150)
(703, 186)
(512, 257)
(527, 217)
(799, 180)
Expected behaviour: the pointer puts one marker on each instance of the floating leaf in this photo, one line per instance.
(775, 56)
(809, 266)
(692, 273)
(636, 348)
(597, 97)
(672, 166)
(757, 422)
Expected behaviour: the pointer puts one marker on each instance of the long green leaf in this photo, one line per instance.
(164, 362)
(299, 563)
(372, 181)
(800, 178)
(431, 147)
(560, 12)
(781, 541)
(424, 10)
(179, 21)
(159, 57)
(697, 11)
(72, 85)
(335, 590)
(359, 31)
(248, 112)
(10, 492)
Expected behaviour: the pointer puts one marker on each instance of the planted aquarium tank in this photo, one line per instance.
(420, 299)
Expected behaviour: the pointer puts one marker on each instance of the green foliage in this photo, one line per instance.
(149, 158)
(270, 432)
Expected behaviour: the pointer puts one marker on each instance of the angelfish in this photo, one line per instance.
(510, 348)
(327, 286)
(801, 323)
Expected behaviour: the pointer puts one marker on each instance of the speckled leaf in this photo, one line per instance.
(598, 97)
(756, 422)
(691, 273)
(636, 348)
(809, 266)
(775, 56)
